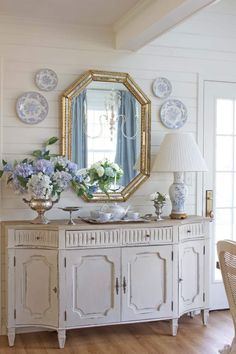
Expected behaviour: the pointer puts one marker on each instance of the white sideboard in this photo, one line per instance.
(62, 277)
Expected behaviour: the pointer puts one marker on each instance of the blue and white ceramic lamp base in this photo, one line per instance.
(178, 192)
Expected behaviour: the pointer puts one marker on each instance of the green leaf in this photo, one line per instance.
(37, 153)
(23, 181)
(4, 162)
(1, 173)
(24, 161)
(51, 141)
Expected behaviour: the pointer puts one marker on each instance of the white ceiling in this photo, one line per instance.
(80, 12)
(133, 23)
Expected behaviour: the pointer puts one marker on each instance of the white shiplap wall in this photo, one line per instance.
(203, 44)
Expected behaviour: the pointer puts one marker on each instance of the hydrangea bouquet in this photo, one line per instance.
(104, 174)
(45, 175)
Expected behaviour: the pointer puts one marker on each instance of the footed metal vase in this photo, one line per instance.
(40, 206)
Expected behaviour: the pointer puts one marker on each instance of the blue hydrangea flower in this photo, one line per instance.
(79, 178)
(24, 170)
(72, 167)
(8, 167)
(62, 180)
(93, 189)
(44, 166)
(109, 172)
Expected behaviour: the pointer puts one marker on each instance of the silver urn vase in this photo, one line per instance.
(158, 209)
(40, 206)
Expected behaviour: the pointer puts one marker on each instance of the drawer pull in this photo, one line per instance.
(180, 280)
(38, 238)
(189, 231)
(148, 236)
(117, 286)
(124, 285)
(92, 238)
(55, 290)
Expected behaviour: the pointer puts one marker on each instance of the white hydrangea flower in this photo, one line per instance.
(96, 165)
(100, 171)
(40, 186)
(115, 166)
(153, 196)
(60, 160)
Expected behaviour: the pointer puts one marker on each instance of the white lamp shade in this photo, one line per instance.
(179, 153)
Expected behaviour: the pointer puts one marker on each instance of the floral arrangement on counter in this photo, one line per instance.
(46, 175)
(104, 174)
(159, 198)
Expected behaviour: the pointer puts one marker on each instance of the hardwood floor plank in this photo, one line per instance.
(141, 338)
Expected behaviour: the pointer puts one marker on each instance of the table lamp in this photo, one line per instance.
(179, 153)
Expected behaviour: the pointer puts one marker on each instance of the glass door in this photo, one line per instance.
(220, 155)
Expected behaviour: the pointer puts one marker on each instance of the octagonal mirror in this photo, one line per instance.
(107, 116)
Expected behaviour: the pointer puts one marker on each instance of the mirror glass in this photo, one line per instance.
(106, 123)
(106, 117)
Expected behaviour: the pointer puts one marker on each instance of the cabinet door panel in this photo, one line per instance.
(147, 282)
(36, 287)
(92, 278)
(191, 276)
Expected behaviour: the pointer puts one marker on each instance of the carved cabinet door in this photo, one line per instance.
(191, 276)
(147, 278)
(92, 286)
(36, 299)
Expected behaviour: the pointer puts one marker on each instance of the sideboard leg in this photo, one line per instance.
(174, 326)
(205, 315)
(11, 333)
(61, 335)
(191, 314)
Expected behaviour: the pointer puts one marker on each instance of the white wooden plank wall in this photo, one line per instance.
(203, 44)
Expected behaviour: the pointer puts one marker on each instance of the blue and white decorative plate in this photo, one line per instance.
(46, 79)
(32, 107)
(161, 87)
(173, 114)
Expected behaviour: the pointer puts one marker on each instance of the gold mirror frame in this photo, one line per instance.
(105, 76)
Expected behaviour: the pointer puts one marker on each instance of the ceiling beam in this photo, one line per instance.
(151, 18)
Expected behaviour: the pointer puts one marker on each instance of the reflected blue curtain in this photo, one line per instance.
(126, 149)
(79, 137)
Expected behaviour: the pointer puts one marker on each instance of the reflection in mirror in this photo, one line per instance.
(106, 121)
(107, 116)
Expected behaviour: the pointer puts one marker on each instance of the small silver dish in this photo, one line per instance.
(70, 209)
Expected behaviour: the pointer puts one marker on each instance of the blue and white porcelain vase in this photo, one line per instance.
(178, 192)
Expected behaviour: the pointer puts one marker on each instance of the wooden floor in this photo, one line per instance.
(142, 338)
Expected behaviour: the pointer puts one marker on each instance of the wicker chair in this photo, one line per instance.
(227, 258)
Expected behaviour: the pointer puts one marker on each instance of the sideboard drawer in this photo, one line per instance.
(148, 235)
(95, 238)
(188, 231)
(37, 238)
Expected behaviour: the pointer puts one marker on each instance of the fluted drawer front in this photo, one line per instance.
(44, 238)
(95, 238)
(191, 231)
(151, 236)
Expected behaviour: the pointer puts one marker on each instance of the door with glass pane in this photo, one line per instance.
(220, 155)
